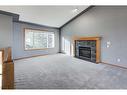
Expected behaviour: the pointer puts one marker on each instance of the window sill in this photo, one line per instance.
(37, 49)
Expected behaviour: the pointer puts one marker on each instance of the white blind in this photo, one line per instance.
(37, 39)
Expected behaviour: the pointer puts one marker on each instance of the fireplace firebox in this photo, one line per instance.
(85, 52)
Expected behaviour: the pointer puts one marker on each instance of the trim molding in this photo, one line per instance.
(84, 11)
(34, 24)
(15, 16)
(114, 65)
(31, 56)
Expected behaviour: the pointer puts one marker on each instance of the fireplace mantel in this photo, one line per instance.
(87, 38)
(97, 39)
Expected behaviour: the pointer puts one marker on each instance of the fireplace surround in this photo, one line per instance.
(87, 48)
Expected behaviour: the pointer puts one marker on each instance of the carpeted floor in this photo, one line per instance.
(60, 71)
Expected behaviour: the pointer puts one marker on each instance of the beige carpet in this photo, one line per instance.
(60, 71)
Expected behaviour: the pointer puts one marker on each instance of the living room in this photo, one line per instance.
(63, 47)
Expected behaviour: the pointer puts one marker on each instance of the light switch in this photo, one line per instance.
(108, 44)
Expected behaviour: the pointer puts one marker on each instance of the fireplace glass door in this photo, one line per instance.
(85, 52)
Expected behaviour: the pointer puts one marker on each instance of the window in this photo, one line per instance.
(38, 39)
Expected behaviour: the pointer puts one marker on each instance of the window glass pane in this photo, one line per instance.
(28, 40)
(37, 39)
(50, 40)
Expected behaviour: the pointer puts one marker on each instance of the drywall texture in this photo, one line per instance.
(6, 28)
(107, 22)
(18, 41)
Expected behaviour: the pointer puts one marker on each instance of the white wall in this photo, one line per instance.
(18, 41)
(6, 28)
(107, 22)
(11, 35)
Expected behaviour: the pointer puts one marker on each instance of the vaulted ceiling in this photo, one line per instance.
(54, 16)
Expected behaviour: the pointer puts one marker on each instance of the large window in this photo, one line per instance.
(38, 39)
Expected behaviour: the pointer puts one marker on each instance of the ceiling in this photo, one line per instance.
(54, 16)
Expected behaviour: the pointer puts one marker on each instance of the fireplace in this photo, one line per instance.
(87, 48)
(85, 52)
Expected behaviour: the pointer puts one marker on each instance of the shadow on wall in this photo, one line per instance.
(67, 47)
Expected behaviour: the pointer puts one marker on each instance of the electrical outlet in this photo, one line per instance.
(118, 60)
(107, 46)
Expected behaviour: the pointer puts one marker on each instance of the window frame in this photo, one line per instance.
(35, 31)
